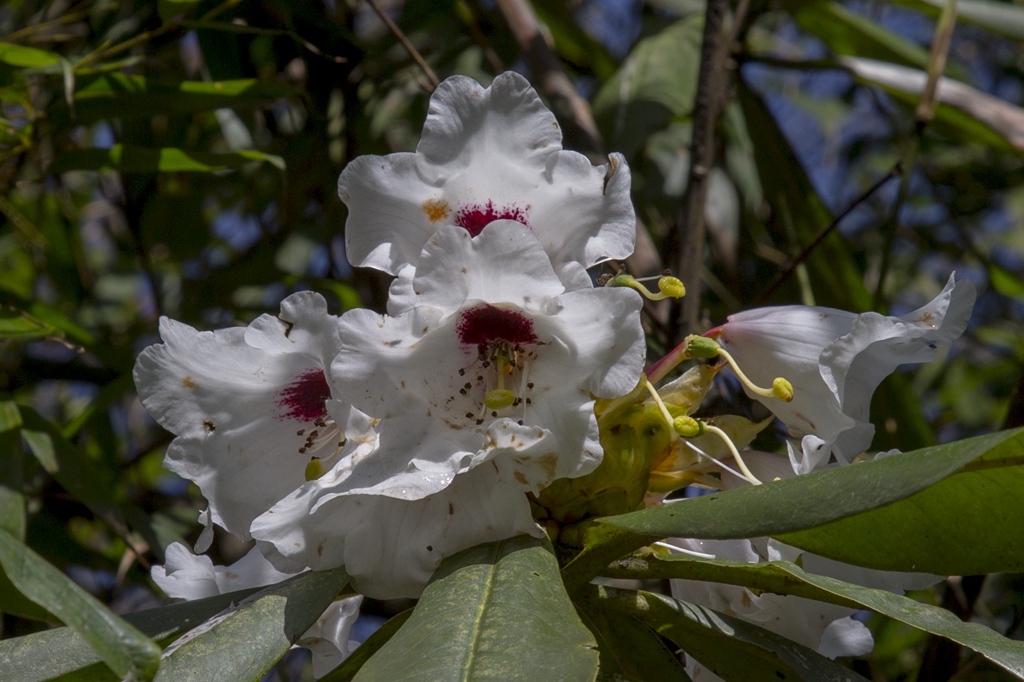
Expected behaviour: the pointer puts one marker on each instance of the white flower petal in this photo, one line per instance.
(389, 546)
(185, 575)
(249, 407)
(329, 639)
(425, 373)
(488, 154)
(835, 360)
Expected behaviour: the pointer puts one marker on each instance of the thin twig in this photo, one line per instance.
(571, 110)
(409, 47)
(826, 231)
(923, 114)
(688, 236)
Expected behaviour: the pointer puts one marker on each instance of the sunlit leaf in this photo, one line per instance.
(496, 611)
(23, 56)
(962, 516)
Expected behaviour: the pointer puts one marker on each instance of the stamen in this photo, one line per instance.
(680, 550)
(717, 461)
(735, 453)
(781, 388)
(668, 287)
(664, 410)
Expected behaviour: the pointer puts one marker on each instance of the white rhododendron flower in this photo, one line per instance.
(493, 359)
(190, 576)
(389, 546)
(250, 406)
(488, 154)
(835, 360)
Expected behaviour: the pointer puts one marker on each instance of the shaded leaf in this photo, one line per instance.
(131, 159)
(22, 658)
(731, 648)
(245, 641)
(121, 646)
(496, 611)
(656, 83)
(381, 636)
(783, 577)
(999, 17)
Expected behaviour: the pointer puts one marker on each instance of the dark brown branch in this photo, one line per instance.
(688, 238)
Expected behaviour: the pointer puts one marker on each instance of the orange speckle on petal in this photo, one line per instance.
(188, 382)
(436, 209)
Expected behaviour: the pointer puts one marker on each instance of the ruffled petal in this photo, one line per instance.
(249, 407)
(488, 154)
(391, 547)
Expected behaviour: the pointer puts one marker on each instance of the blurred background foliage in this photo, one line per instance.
(180, 158)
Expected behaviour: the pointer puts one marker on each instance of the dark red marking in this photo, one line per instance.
(486, 324)
(476, 217)
(303, 399)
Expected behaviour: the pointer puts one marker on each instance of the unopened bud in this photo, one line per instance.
(702, 347)
(782, 389)
(499, 399)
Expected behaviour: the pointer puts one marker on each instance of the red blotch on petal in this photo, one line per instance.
(486, 324)
(478, 216)
(303, 399)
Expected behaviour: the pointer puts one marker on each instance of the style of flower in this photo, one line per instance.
(493, 359)
(189, 576)
(488, 154)
(252, 408)
(835, 360)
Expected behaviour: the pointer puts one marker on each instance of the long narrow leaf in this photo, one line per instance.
(121, 646)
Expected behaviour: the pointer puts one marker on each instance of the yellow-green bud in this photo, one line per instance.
(499, 399)
(701, 347)
(671, 287)
(782, 389)
(687, 427)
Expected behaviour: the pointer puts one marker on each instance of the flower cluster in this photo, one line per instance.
(502, 391)
(385, 443)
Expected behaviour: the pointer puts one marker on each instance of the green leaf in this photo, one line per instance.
(656, 83)
(171, 9)
(131, 159)
(783, 577)
(47, 315)
(496, 611)
(49, 654)
(381, 636)
(630, 650)
(837, 279)
(19, 55)
(732, 648)
(847, 33)
(120, 96)
(16, 324)
(965, 525)
(248, 640)
(999, 17)
(121, 646)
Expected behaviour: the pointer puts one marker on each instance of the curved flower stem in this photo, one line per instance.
(735, 453)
